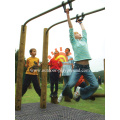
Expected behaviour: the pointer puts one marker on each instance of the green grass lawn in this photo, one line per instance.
(97, 106)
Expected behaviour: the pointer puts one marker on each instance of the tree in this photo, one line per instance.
(101, 74)
(16, 62)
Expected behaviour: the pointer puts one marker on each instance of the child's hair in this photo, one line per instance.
(31, 50)
(56, 51)
(76, 33)
(68, 49)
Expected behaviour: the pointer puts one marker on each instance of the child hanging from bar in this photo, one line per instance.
(32, 65)
(81, 58)
(55, 66)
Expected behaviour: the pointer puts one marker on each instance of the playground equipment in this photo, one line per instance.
(21, 61)
(98, 10)
(44, 60)
(63, 4)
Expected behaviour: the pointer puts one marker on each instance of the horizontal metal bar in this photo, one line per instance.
(75, 18)
(45, 12)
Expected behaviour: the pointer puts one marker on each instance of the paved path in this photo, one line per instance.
(32, 111)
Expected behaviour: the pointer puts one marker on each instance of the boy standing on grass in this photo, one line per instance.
(32, 65)
(55, 73)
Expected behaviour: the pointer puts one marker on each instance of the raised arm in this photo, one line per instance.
(81, 24)
(68, 18)
(84, 34)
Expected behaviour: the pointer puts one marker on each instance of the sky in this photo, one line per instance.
(59, 35)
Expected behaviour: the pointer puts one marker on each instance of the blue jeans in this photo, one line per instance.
(76, 74)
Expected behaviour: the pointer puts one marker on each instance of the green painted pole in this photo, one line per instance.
(46, 12)
(98, 10)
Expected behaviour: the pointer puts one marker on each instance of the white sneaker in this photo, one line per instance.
(76, 93)
(60, 98)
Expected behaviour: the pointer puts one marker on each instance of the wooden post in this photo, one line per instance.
(44, 70)
(20, 69)
(104, 72)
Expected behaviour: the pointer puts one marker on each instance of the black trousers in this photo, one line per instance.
(27, 81)
(54, 77)
(99, 81)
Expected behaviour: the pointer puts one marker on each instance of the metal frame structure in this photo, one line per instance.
(98, 10)
(44, 60)
(21, 60)
(61, 5)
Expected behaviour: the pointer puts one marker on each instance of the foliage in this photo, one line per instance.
(16, 64)
(101, 74)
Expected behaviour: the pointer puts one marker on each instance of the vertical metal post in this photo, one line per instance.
(44, 70)
(20, 68)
